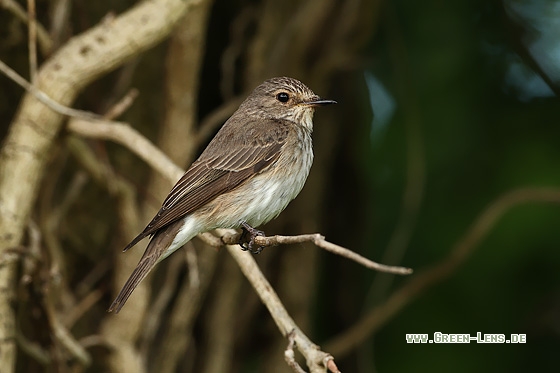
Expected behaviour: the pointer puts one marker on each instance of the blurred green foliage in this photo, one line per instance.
(482, 131)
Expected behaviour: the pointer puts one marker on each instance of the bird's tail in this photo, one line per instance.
(158, 245)
(139, 273)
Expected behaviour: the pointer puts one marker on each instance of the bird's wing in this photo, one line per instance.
(231, 158)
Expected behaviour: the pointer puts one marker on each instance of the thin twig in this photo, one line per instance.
(126, 135)
(159, 305)
(290, 356)
(32, 40)
(32, 349)
(59, 19)
(320, 241)
(44, 98)
(122, 105)
(93, 340)
(314, 356)
(331, 365)
(63, 335)
(81, 308)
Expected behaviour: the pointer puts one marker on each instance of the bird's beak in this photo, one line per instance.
(317, 101)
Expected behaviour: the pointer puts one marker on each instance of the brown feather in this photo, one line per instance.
(157, 246)
(218, 170)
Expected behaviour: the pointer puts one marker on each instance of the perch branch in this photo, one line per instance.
(315, 358)
(320, 241)
(290, 356)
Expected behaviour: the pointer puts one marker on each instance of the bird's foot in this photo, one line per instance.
(247, 239)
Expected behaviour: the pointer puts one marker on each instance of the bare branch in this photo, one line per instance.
(60, 12)
(81, 308)
(320, 241)
(330, 364)
(122, 105)
(158, 306)
(43, 97)
(125, 135)
(33, 349)
(183, 315)
(289, 355)
(63, 335)
(314, 356)
(32, 40)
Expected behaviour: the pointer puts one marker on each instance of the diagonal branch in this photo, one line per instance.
(315, 358)
(124, 134)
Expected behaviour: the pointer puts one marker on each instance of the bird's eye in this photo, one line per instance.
(282, 97)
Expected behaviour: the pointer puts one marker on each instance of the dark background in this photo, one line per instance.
(446, 107)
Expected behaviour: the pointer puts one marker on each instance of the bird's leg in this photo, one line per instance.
(247, 239)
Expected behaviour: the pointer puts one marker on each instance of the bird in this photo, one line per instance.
(254, 166)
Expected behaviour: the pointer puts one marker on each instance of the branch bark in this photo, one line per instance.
(315, 358)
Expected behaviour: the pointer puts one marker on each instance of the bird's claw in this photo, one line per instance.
(248, 236)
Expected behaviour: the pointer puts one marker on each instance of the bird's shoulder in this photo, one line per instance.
(235, 154)
(242, 133)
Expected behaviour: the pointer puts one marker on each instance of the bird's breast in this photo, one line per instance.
(280, 183)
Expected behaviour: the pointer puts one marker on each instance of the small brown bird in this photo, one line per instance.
(254, 166)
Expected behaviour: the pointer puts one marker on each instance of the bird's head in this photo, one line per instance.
(284, 98)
